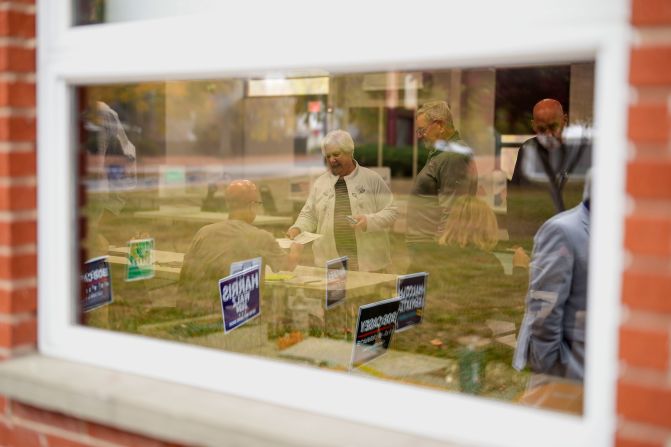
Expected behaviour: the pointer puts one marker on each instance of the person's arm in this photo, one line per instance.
(277, 258)
(549, 288)
(307, 218)
(386, 211)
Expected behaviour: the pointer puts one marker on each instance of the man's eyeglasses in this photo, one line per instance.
(421, 131)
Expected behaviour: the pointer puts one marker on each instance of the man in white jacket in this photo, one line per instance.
(351, 206)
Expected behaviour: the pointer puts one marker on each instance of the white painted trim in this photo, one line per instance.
(259, 40)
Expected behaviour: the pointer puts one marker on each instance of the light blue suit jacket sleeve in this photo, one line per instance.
(552, 335)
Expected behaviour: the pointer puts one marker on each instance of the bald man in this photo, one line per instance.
(549, 149)
(533, 200)
(216, 246)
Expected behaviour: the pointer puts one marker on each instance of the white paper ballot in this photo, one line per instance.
(303, 238)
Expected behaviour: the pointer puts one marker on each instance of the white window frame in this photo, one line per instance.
(257, 37)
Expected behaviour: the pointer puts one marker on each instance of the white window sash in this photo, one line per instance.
(260, 37)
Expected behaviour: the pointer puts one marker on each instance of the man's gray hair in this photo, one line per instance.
(338, 139)
(437, 111)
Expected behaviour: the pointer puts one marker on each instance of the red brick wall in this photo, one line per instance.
(18, 235)
(644, 388)
(27, 426)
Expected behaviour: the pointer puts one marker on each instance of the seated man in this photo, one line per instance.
(351, 206)
(217, 245)
(552, 334)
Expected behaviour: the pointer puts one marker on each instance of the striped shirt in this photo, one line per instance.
(343, 233)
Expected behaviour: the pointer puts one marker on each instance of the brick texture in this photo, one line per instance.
(18, 233)
(649, 179)
(17, 129)
(649, 123)
(644, 403)
(17, 24)
(636, 344)
(651, 12)
(643, 395)
(21, 300)
(16, 164)
(27, 425)
(17, 94)
(647, 291)
(124, 438)
(621, 441)
(648, 235)
(18, 266)
(23, 333)
(650, 66)
(23, 437)
(18, 198)
(17, 59)
(57, 441)
(50, 418)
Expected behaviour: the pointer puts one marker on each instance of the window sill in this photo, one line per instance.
(177, 412)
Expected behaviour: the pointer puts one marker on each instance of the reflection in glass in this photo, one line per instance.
(90, 12)
(448, 172)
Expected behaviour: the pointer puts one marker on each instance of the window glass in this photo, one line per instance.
(379, 224)
(89, 12)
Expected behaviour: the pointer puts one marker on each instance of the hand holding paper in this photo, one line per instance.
(302, 238)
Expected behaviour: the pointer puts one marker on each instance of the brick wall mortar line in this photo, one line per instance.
(18, 181)
(644, 377)
(18, 42)
(16, 148)
(18, 7)
(18, 216)
(646, 320)
(638, 261)
(635, 430)
(9, 76)
(11, 112)
(645, 36)
(654, 208)
(648, 94)
(18, 284)
(18, 250)
(19, 318)
(25, 249)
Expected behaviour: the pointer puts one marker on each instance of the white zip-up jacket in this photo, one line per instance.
(370, 196)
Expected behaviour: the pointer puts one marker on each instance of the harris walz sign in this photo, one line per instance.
(240, 297)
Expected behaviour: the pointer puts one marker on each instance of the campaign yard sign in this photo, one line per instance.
(239, 266)
(411, 289)
(97, 283)
(336, 281)
(375, 326)
(140, 259)
(240, 297)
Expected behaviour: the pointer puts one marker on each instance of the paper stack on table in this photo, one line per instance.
(303, 238)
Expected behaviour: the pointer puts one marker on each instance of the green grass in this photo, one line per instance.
(151, 303)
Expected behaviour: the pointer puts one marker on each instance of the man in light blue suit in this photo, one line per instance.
(552, 336)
